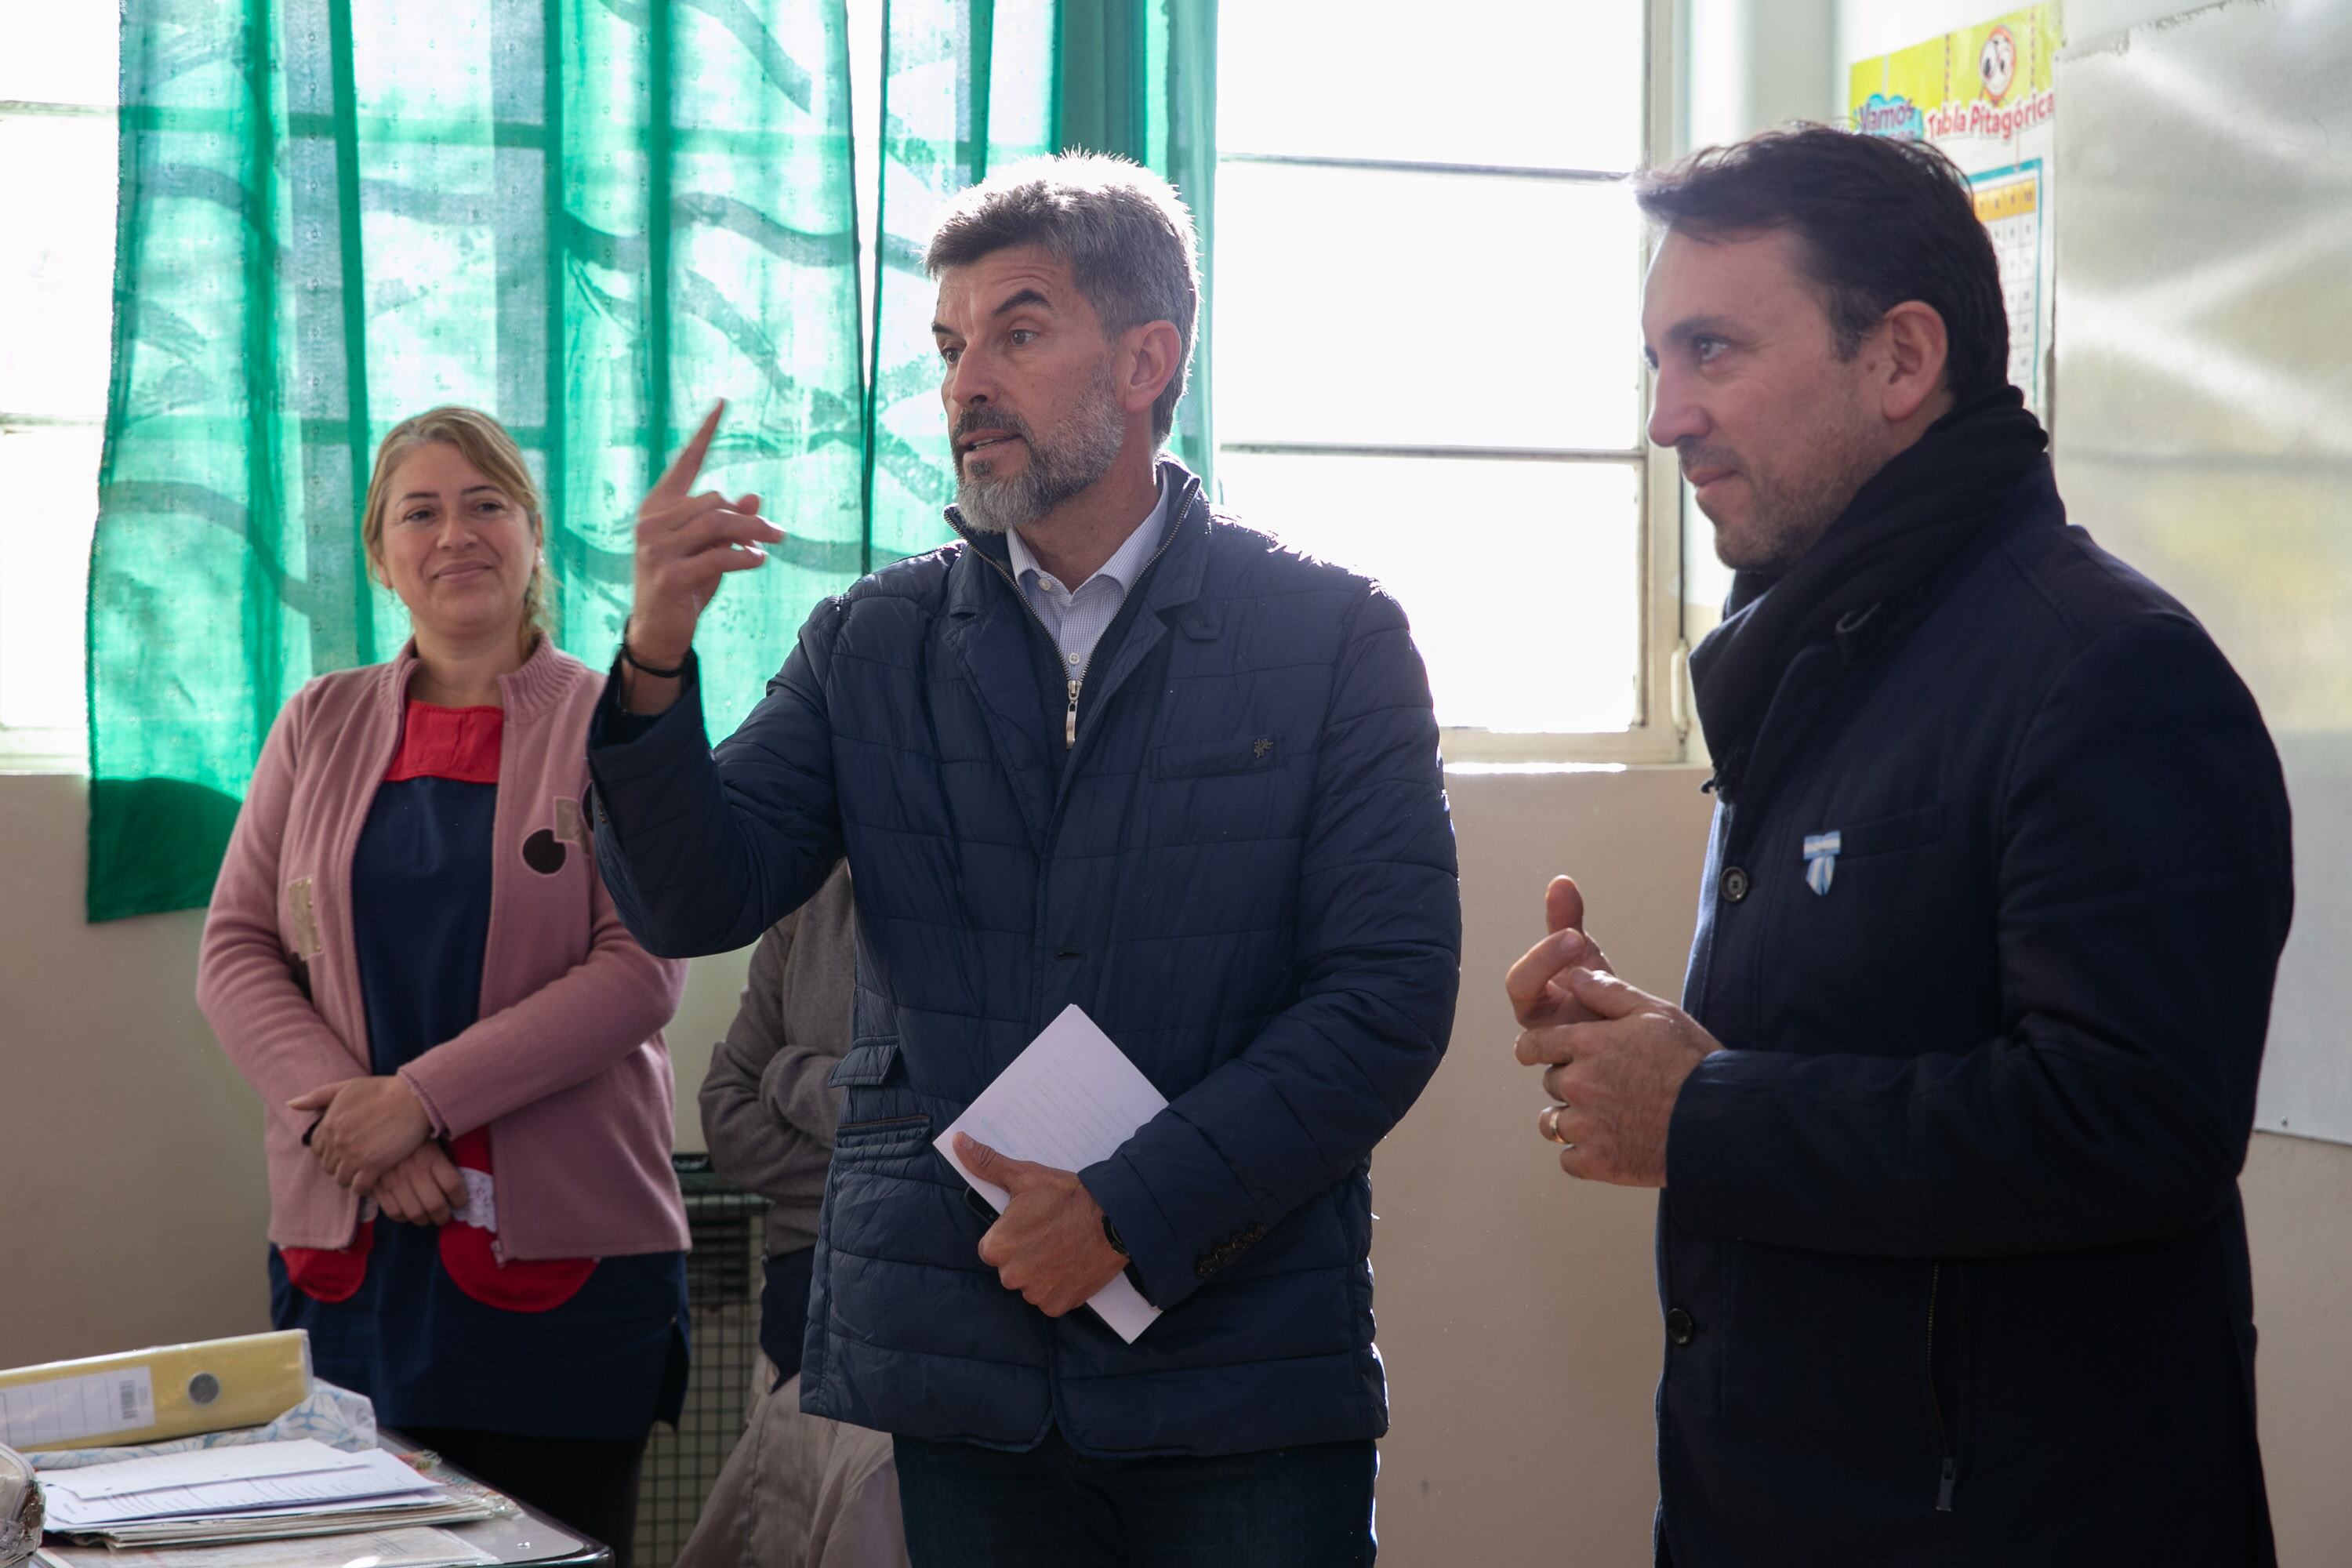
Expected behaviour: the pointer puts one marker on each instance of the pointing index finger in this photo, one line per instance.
(679, 481)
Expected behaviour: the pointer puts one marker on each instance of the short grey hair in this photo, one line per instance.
(1124, 231)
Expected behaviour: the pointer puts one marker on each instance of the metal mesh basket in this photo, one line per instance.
(723, 1286)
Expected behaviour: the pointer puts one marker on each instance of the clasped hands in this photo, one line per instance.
(1614, 1055)
(372, 1136)
(1049, 1243)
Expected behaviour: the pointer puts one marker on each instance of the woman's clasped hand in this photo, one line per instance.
(372, 1135)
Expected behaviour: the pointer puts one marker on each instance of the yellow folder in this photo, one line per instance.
(144, 1396)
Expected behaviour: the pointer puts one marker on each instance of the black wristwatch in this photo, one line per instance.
(1110, 1234)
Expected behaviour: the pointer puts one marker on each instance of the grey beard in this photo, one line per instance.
(1080, 454)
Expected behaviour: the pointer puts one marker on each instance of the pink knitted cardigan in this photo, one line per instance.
(565, 1064)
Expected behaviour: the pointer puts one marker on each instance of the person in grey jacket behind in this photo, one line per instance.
(798, 1490)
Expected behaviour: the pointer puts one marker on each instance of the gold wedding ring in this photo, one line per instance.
(1548, 1123)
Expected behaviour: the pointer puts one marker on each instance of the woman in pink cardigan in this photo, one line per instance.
(411, 958)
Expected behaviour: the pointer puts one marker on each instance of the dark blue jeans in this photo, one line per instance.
(1052, 1507)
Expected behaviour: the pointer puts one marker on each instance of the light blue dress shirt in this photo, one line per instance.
(1078, 617)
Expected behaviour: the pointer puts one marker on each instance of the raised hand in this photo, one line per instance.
(1537, 983)
(685, 543)
(1049, 1242)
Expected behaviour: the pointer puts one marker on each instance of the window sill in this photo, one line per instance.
(44, 751)
(1494, 751)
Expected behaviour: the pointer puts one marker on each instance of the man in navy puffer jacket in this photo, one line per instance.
(1110, 749)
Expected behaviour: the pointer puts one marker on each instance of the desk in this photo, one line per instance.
(530, 1540)
(533, 1539)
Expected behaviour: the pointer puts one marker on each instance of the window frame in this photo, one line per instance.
(1661, 728)
(1660, 732)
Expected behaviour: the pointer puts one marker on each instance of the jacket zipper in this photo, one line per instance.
(1070, 718)
(1951, 1467)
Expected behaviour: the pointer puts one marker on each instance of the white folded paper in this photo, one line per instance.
(1070, 1099)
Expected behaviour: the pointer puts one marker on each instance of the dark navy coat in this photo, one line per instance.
(1951, 1254)
(1242, 871)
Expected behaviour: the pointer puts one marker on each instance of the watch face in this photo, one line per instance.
(1997, 64)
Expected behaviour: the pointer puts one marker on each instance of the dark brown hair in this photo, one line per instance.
(1879, 221)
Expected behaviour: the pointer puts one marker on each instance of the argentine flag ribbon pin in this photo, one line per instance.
(1821, 861)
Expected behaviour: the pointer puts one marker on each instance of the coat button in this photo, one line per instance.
(1679, 1327)
(1735, 885)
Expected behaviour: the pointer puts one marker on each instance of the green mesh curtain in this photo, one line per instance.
(968, 86)
(589, 217)
(1139, 78)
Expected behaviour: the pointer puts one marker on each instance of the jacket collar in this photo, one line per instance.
(529, 690)
(1862, 634)
(1125, 563)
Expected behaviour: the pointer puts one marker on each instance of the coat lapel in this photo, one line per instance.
(1174, 580)
(988, 631)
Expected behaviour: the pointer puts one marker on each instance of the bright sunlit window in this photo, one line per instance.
(1427, 270)
(1426, 274)
(56, 275)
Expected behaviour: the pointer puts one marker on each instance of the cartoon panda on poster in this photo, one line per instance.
(1997, 64)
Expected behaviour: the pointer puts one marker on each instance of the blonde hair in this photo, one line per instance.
(485, 444)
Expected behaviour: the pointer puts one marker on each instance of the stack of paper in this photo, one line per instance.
(257, 1492)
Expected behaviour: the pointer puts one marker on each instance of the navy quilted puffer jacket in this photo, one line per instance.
(1242, 871)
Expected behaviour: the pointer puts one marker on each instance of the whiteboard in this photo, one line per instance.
(2202, 423)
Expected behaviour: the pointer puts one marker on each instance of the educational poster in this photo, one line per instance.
(1984, 96)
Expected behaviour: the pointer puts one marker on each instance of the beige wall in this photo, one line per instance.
(130, 1176)
(1517, 1315)
(1516, 1306)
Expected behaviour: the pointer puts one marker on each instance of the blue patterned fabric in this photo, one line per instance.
(1243, 873)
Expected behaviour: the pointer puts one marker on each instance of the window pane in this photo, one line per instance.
(1523, 580)
(1522, 82)
(1360, 305)
(68, 55)
(57, 310)
(48, 504)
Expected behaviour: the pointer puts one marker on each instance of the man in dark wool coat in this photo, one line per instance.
(1951, 1262)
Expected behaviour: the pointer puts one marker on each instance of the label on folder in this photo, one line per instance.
(1070, 1099)
(146, 1397)
(63, 1409)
